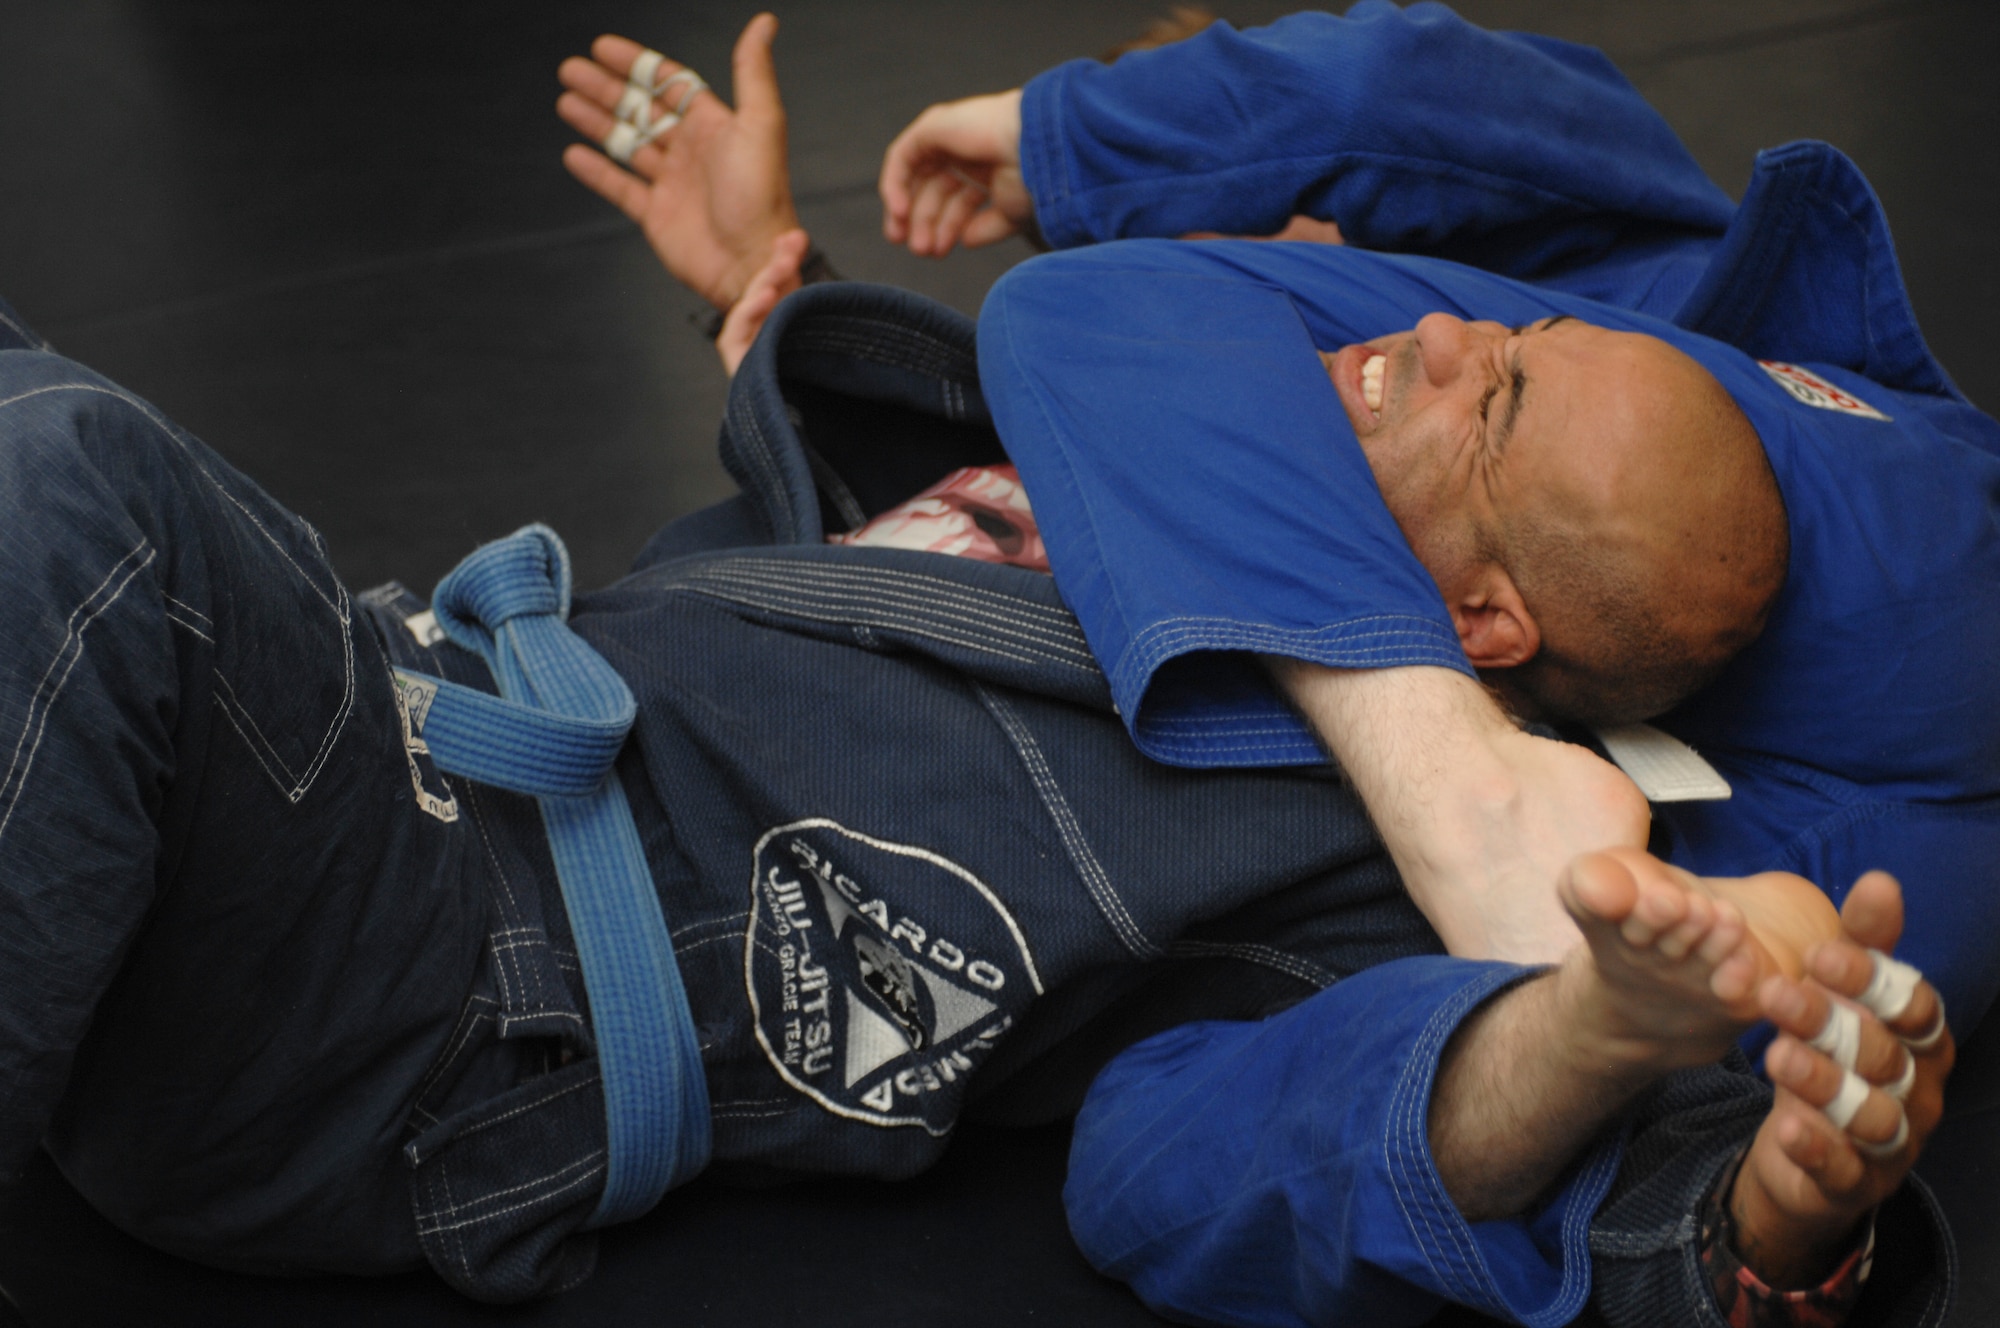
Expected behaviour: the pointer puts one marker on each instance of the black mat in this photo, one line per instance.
(335, 241)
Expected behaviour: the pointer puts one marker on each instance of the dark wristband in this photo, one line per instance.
(1743, 1299)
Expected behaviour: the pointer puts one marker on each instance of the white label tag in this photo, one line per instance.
(424, 626)
(1665, 768)
(1809, 387)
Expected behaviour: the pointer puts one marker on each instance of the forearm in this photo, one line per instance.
(1405, 127)
(1478, 816)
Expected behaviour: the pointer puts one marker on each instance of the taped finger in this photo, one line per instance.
(1883, 1151)
(1840, 1036)
(1847, 1099)
(1931, 1036)
(625, 139)
(635, 107)
(644, 68)
(621, 142)
(1891, 987)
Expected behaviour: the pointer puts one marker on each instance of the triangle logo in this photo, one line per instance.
(881, 1097)
(872, 1041)
(956, 1007)
(838, 910)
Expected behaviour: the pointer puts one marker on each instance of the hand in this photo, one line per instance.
(712, 194)
(779, 278)
(954, 177)
(1804, 1187)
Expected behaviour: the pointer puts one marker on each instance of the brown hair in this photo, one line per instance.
(1181, 22)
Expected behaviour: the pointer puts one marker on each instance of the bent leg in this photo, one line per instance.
(1395, 1140)
(209, 860)
(1281, 1172)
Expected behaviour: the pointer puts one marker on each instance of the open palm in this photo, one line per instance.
(713, 193)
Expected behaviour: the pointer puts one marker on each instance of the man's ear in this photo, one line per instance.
(1493, 622)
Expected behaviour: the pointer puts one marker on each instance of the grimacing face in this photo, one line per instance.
(1469, 426)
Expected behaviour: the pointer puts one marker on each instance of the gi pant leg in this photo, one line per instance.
(231, 939)
(1280, 1172)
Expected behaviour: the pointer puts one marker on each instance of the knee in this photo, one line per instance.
(74, 444)
(55, 414)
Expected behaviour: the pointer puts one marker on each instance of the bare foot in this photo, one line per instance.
(1787, 914)
(1666, 978)
(1668, 973)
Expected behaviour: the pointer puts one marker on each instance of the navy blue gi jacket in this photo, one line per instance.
(1202, 497)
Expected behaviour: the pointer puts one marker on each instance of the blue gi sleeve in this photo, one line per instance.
(1280, 1172)
(1410, 128)
(1201, 493)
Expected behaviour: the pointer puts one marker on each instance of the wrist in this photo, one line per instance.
(751, 259)
(1781, 1249)
(814, 268)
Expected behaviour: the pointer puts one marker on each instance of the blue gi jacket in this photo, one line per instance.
(1202, 495)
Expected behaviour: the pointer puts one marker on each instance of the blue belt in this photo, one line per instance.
(554, 730)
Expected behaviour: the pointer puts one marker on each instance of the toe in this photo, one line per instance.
(1659, 910)
(1598, 889)
(1698, 919)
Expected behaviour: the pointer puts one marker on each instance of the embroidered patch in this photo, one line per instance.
(414, 694)
(1813, 390)
(880, 975)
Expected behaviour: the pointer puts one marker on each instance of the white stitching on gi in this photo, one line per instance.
(34, 342)
(1268, 956)
(830, 609)
(1074, 843)
(870, 588)
(51, 684)
(878, 599)
(525, 1107)
(479, 1015)
(731, 923)
(435, 1225)
(338, 602)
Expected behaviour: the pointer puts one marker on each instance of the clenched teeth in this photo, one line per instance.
(1371, 381)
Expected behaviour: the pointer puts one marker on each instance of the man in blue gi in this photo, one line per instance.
(1185, 545)
(1183, 450)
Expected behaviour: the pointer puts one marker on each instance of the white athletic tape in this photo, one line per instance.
(619, 143)
(636, 106)
(643, 69)
(1891, 987)
(1840, 1036)
(1900, 1090)
(1853, 1092)
(1931, 1036)
(624, 139)
(1883, 1151)
(694, 81)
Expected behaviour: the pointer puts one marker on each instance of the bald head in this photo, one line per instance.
(1595, 507)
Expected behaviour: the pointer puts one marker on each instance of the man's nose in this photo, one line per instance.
(1449, 344)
